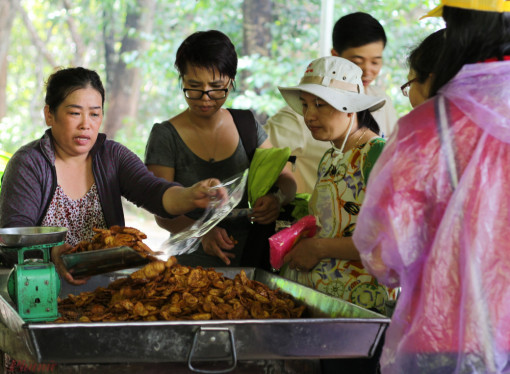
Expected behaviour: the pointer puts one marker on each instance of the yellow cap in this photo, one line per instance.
(483, 5)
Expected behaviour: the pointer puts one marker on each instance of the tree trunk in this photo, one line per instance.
(6, 17)
(257, 16)
(124, 82)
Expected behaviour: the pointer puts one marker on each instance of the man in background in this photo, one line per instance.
(360, 38)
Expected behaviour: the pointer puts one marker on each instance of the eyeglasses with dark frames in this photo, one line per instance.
(406, 87)
(216, 94)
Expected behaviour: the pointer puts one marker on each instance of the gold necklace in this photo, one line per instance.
(361, 136)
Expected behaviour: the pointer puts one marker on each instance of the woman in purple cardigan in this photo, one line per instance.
(74, 177)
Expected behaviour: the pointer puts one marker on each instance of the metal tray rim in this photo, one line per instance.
(88, 325)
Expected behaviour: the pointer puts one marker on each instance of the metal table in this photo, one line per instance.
(333, 329)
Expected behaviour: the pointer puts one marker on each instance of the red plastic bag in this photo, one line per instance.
(283, 241)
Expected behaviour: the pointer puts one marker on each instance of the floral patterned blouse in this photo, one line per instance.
(335, 202)
(79, 216)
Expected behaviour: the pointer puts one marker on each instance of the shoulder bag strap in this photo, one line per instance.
(247, 129)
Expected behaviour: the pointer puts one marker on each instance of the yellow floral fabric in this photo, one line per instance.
(336, 202)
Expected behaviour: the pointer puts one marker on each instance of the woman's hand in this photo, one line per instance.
(180, 200)
(56, 252)
(201, 193)
(266, 209)
(303, 256)
(216, 242)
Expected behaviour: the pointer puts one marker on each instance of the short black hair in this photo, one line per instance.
(65, 81)
(210, 49)
(355, 30)
(423, 58)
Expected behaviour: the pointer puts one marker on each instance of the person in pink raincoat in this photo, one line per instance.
(436, 214)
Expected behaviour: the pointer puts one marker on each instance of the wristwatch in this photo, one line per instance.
(276, 192)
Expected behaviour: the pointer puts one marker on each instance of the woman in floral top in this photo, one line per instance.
(331, 99)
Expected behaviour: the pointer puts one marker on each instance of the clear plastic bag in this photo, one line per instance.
(187, 241)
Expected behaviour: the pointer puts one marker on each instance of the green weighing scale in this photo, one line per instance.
(33, 283)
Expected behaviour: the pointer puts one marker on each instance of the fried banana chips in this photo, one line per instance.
(115, 236)
(169, 291)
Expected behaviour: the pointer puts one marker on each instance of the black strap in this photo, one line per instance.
(247, 129)
(256, 249)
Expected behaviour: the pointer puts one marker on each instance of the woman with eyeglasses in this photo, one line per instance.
(421, 63)
(435, 219)
(204, 140)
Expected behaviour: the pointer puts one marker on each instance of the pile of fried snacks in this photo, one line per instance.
(168, 291)
(116, 236)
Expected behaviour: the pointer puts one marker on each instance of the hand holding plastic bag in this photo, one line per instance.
(283, 241)
(187, 241)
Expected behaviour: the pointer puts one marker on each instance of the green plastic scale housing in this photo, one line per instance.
(34, 284)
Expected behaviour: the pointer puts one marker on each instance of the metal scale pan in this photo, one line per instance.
(14, 239)
(31, 236)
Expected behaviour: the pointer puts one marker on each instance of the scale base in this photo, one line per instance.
(33, 284)
(34, 287)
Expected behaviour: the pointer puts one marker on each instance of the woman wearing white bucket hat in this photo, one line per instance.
(331, 98)
(436, 221)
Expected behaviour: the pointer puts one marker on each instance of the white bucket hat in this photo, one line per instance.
(335, 80)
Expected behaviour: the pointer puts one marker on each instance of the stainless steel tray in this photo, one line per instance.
(333, 329)
(102, 261)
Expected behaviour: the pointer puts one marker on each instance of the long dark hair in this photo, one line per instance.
(366, 119)
(471, 36)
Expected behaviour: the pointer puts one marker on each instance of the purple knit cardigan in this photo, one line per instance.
(29, 182)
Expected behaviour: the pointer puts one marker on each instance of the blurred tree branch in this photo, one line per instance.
(6, 18)
(36, 40)
(75, 35)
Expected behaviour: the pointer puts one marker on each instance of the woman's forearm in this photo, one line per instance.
(309, 252)
(341, 248)
(174, 225)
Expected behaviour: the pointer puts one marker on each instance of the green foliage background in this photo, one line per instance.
(295, 30)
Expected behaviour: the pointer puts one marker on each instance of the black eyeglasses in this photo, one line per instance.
(406, 87)
(217, 94)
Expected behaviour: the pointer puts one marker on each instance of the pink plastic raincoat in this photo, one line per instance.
(447, 247)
